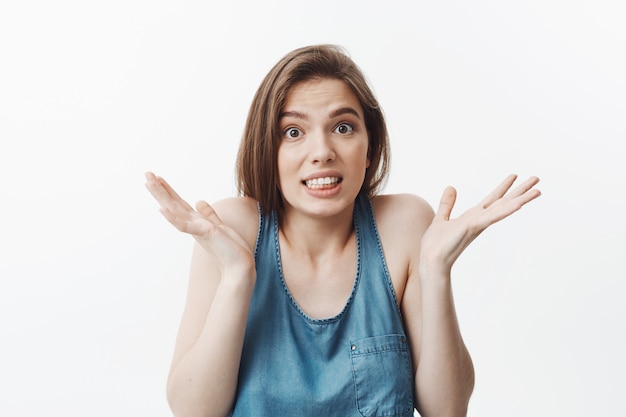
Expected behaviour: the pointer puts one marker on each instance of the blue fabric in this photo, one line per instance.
(357, 363)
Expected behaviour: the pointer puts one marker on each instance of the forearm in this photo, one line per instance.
(204, 381)
(445, 374)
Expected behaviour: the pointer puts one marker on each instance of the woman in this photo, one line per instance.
(311, 294)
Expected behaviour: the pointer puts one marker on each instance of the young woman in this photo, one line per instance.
(312, 295)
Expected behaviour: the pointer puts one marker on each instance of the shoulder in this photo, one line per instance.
(240, 214)
(402, 214)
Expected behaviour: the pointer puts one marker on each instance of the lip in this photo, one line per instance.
(323, 192)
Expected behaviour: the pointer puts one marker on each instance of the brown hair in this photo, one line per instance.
(256, 169)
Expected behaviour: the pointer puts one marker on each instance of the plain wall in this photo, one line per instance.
(92, 94)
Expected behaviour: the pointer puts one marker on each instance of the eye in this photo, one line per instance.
(293, 133)
(344, 128)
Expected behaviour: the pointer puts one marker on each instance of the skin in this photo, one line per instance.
(316, 237)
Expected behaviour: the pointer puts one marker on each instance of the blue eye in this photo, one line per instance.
(293, 133)
(344, 128)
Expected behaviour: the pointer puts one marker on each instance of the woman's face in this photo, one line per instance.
(323, 151)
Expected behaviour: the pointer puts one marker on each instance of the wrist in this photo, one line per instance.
(434, 272)
(239, 278)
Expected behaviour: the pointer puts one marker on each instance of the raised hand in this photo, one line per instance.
(445, 239)
(228, 247)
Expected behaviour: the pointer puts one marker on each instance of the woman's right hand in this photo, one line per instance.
(228, 247)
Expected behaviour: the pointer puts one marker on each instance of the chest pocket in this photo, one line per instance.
(383, 376)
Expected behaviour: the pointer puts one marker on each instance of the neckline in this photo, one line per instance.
(294, 303)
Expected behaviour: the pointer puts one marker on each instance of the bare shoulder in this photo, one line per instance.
(242, 215)
(400, 215)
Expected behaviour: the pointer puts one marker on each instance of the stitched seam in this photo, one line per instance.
(381, 254)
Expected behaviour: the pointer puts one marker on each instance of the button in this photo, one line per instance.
(402, 340)
(353, 347)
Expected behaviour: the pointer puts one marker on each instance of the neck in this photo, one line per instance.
(316, 237)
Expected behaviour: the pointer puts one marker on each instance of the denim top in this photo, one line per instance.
(356, 363)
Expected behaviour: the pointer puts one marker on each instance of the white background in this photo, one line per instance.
(92, 94)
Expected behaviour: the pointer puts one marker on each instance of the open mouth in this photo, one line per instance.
(322, 183)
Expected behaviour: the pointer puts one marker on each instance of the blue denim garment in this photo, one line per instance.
(357, 363)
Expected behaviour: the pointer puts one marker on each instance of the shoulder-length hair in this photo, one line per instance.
(256, 168)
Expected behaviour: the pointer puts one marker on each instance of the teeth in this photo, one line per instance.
(321, 182)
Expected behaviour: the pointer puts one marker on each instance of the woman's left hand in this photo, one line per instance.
(445, 239)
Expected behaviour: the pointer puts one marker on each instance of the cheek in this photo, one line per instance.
(360, 158)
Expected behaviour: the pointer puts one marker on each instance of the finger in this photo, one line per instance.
(520, 196)
(170, 191)
(164, 193)
(151, 180)
(446, 203)
(526, 192)
(499, 191)
(207, 211)
(156, 189)
(524, 187)
(153, 184)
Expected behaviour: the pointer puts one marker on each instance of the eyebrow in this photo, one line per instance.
(295, 114)
(342, 111)
(331, 115)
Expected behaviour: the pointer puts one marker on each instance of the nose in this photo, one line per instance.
(322, 148)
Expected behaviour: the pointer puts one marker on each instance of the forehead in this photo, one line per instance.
(322, 94)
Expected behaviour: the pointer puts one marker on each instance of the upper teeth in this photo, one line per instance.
(322, 181)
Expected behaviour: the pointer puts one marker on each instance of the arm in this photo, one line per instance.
(444, 376)
(203, 376)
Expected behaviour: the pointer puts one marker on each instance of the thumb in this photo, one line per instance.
(205, 209)
(447, 203)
